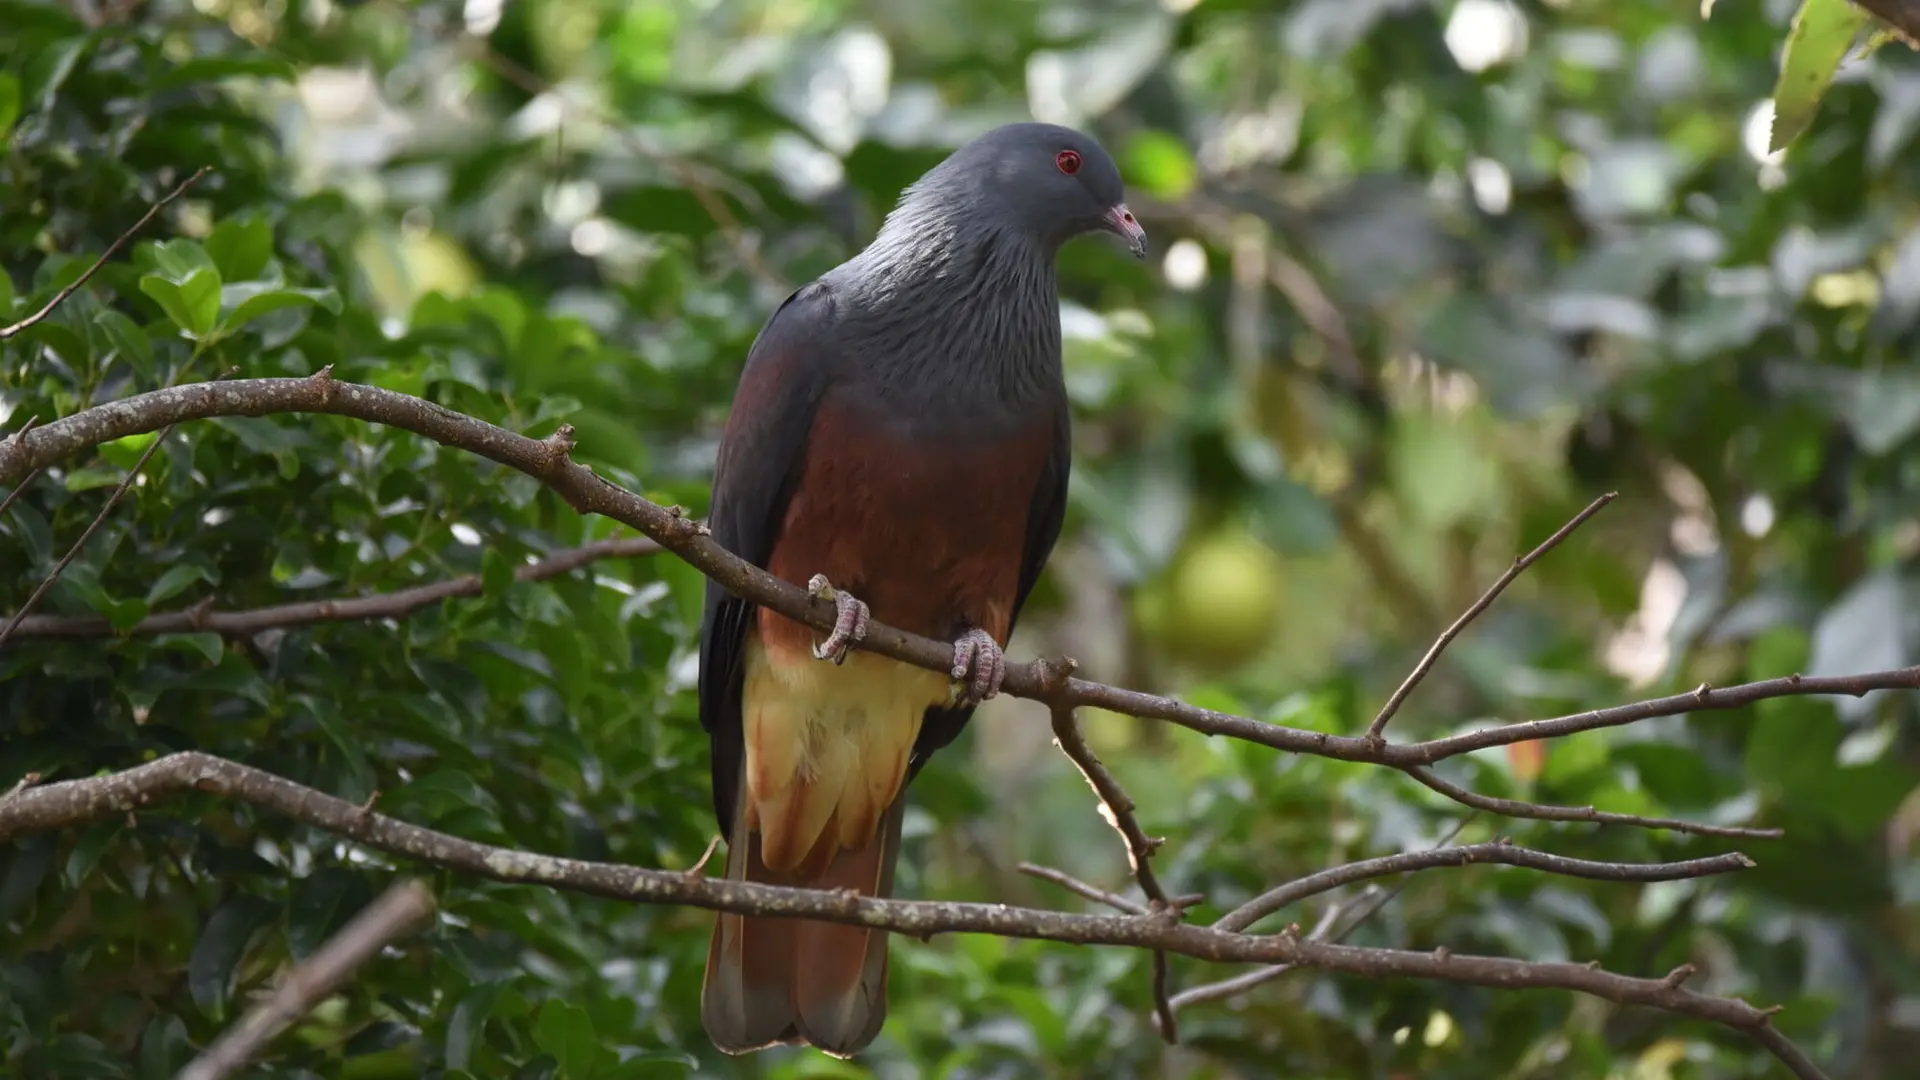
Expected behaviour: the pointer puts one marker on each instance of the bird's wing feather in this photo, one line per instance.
(787, 370)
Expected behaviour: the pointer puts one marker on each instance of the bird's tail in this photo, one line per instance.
(775, 980)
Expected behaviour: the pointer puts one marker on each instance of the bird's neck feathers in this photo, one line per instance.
(965, 311)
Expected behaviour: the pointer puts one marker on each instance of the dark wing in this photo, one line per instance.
(1044, 517)
(761, 452)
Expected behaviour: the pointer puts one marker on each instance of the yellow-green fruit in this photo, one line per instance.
(1224, 595)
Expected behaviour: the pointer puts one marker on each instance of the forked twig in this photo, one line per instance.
(1419, 672)
(1117, 807)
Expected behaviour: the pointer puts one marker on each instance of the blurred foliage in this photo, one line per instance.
(1430, 277)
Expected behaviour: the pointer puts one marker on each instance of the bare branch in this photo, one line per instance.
(393, 605)
(77, 802)
(1699, 699)
(1499, 851)
(112, 250)
(1075, 885)
(395, 912)
(1377, 729)
(1037, 680)
(1117, 807)
(1373, 897)
(1240, 984)
(47, 583)
(1547, 812)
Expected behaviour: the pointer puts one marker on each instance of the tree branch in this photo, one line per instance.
(1377, 729)
(113, 249)
(53, 576)
(395, 912)
(1080, 888)
(1499, 851)
(1375, 899)
(1117, 807)
(77, 802)
(392, 605)
(548, 460)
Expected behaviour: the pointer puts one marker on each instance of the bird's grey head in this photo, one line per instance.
(1045, 182)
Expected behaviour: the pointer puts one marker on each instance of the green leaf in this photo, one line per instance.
(125, 614)
(240, 247)
(22, 868)
(73, 1057)
(468, 1024)
(128, 339)
(124, 453)
(87, 851)
(48, 70)
(566, 1032)
(555, 407)
(222, 943)
(496, 573)
(206, 644)
(1823, 31)
(176, 259)
(1160, 164)
(163, 1048)
(659, 1065)
(210, 68)
(248, 301)
(192, 303)
(9, 109)
(92, 477)
(320, 905)
(175, 581)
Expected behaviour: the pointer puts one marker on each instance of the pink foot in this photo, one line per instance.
(979, 663)
(849, 626)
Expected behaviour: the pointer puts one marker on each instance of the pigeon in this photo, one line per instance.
(898, 444)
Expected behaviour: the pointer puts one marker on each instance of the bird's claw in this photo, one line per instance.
(849, 624)
(979, 665)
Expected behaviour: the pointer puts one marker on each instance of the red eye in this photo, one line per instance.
(1068, 160)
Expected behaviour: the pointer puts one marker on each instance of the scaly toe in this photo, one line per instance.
(850, 620)
(979, 663)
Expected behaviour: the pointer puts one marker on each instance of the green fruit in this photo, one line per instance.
(1224, 599)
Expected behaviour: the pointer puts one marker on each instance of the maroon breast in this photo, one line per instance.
(930, 531)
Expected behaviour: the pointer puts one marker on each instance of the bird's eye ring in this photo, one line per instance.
(1068, 161)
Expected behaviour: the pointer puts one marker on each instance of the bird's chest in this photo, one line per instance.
(925, 522)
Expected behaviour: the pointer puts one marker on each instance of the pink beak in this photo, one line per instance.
(1121, 222)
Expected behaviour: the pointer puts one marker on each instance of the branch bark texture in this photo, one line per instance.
(78, 802)
(549, 460)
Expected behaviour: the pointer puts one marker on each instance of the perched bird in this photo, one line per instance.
(899, 444)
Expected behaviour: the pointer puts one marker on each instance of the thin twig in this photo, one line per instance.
(392, 605)
(1245, 981)
(396, 911)
(547, 461)
(78, 802)
(1080, 888)
(1381, 898)
(47, 583)
(1419, 672)
(61, 296)
(1499, 851)
(1117, 807)
(1549, 812)
(30, 478)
